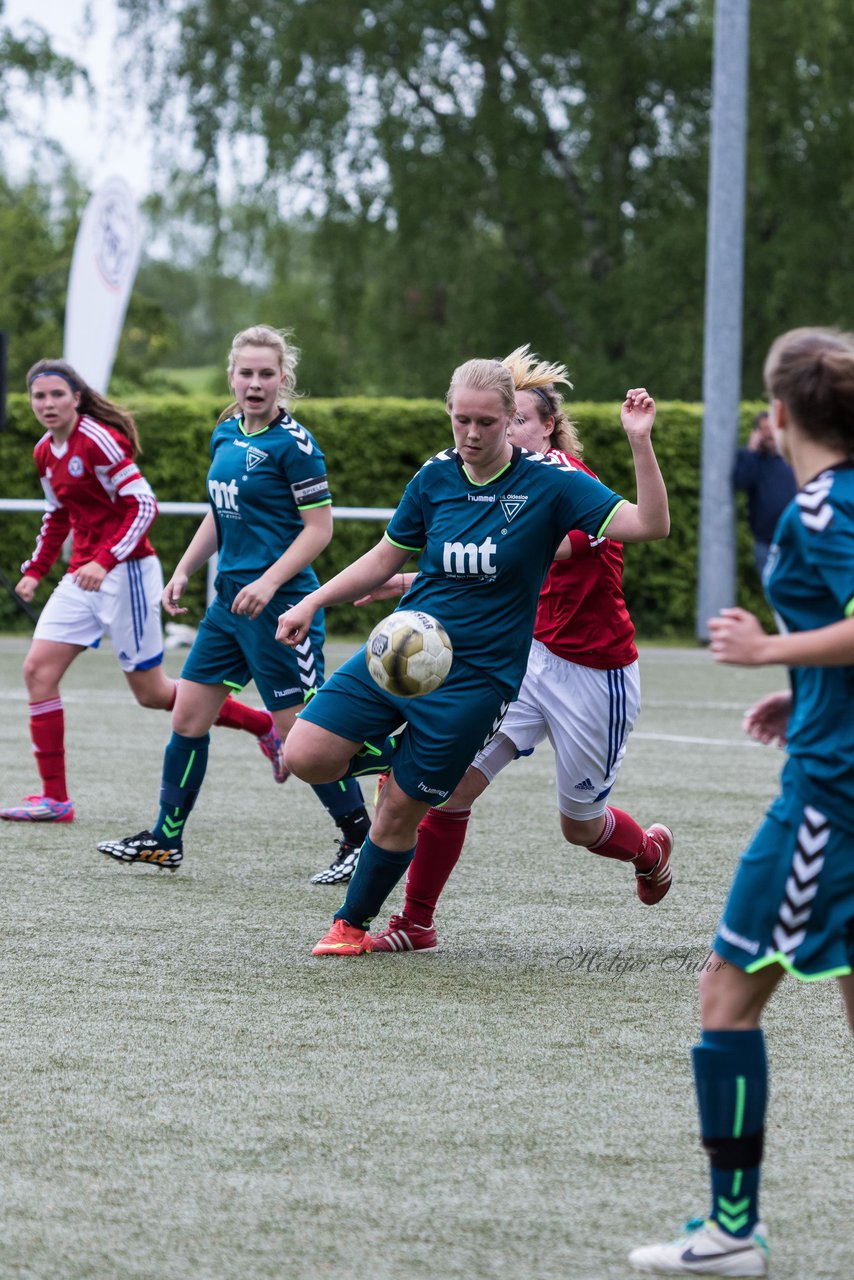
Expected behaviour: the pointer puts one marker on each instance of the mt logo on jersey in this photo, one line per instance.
(223, 495)
(468, 560)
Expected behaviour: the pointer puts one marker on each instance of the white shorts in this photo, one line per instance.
(127, 609)
(586, 714)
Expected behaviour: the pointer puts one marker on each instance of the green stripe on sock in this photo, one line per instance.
(740, 1093)
(183, 781)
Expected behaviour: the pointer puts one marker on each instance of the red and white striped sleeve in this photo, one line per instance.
(55, 527)
(127, 487)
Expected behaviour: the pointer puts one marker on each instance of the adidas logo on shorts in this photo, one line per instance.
(586, 785)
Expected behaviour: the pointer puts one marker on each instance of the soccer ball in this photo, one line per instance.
(409, 653)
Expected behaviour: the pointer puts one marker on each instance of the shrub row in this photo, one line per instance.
(372, 448)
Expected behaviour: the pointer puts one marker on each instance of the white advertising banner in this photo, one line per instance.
(103, 268)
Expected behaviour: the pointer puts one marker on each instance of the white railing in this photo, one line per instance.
(201, 509)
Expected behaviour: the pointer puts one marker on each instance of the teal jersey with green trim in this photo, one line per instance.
(809, 581)
(257, 486)
(485, 549)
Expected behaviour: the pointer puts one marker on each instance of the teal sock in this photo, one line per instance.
(184, 763)
(377, 872)
(339, 798)
(372, 760)
(731, 1077)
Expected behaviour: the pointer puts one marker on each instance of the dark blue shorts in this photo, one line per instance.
(445, 729)
(792, 900)
(232, 649)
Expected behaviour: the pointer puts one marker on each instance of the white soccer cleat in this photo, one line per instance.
(706, 1250)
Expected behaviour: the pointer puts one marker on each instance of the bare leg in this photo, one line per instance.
(196, 707)
(152, 688)
(44, 666)
(846, 987)
(732, 1000)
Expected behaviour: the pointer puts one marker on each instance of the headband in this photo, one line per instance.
(53, 373)
(538, 391)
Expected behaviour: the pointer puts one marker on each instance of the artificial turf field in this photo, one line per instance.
(188, 1093)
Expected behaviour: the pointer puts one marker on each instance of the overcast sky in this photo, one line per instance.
(104, 138)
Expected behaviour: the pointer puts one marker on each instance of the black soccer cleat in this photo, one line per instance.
(144, 848)
(342, 868)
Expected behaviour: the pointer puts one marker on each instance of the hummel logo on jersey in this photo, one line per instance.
(512, 506)
(586, 785)
(254, 456)
(224, 495)
(468, 560)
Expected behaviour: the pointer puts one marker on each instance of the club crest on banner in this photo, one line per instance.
(103, 269)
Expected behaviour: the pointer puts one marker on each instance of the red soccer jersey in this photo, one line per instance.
(95, 491)
(582, 615)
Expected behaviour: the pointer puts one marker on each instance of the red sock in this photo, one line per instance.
(47, 730)
(624, 840)
(441, 835)
(238, 715)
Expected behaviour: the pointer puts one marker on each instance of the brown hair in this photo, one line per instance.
(91, 401)
(530, 373)
(279, 340)
(812, 372)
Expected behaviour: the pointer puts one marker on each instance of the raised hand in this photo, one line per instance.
(637, 414)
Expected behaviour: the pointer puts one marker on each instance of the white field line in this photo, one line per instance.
(103, 697)
(700, 742)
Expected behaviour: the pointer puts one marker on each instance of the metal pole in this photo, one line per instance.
(723, 314)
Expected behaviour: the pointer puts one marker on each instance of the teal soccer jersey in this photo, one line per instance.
(809, 581)
(257, 486)
(485, 550)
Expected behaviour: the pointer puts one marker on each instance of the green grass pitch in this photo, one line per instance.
(187, 1093)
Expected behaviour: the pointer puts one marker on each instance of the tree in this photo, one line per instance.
(483, 172)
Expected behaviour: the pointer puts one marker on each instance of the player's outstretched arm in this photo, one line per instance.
(363, 575)
(397, 586)
(649, 517)
(737, 638)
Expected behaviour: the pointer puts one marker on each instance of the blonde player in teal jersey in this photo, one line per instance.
(791, 906)
(486, 518)
(270, 516)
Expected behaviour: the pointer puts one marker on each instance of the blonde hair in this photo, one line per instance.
(812, 372)
(530, 373)
(278, 340)
(91, 401)
(484, 375)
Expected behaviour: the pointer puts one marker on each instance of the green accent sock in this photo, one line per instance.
(731, 1077)
(377, 872)
(184, 764)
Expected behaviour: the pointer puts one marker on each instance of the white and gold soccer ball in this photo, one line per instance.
(409, 653)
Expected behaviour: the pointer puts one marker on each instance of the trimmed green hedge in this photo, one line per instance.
(372, 448)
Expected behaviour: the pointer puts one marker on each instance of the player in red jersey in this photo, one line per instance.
(581, 690)
(96, 492)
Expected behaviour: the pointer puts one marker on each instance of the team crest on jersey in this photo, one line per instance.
(254, 456)
(511, 506)
(75, 466)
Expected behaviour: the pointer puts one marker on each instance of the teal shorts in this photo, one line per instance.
(792, 899)
(232, 649)
(444, 731)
